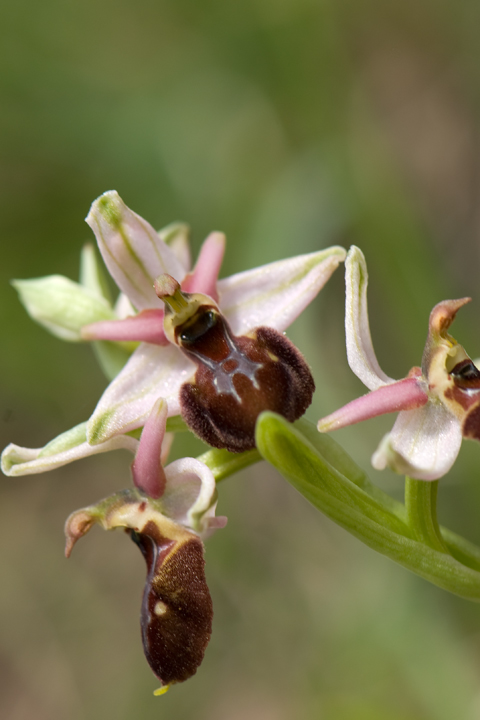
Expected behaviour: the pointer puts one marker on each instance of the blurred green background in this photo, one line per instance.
(291, 125)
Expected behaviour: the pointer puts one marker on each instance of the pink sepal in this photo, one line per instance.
(204, 276)
(147, 326)
(405, 394)
(147, 470)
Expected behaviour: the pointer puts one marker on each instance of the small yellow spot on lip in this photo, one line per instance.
(161, 691)
(160, 608)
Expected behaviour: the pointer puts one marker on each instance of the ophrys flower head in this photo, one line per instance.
(439, 401)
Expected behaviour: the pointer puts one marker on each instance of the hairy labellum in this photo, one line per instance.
(237, 378)
(177, 611)
(465, 393)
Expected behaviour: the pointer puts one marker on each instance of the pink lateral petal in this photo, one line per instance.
(204, 276)
(148, 473)
(405, 394)
(147, 326)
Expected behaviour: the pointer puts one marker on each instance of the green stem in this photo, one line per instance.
(223, 463)
(421, 506)
(410, 537)
(326, 475)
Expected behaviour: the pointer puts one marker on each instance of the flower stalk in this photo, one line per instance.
(421, 506)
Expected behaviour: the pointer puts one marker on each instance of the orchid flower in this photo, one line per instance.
(166, 514)
(134, 253)
(439, 402)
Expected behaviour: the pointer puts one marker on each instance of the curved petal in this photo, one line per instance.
(276, 294)
(147, 326)
(151, 372)
(66, 448)
(402, 395)
(360, 353)
(203, 279)
(132, 250)
(147, 469)
(190, 497)
(423, 443)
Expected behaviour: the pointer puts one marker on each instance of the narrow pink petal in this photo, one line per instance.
(132, 250)
(402, 395)
(147, 326)
(360, 353)
(276, 294)
(423, 443)
(203, 278)
(148, 473)
(151, 372)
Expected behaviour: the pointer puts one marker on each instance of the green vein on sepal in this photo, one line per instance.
(66, 441)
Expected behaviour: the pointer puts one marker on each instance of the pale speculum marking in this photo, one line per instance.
(160, 608)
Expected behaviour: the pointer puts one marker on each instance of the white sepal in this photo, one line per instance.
(360, 353)
(132, 250)
(67, 447)
(152, 371)
(276, 294)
